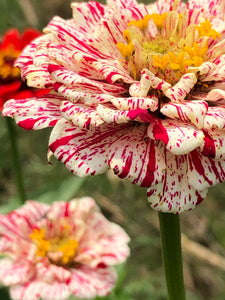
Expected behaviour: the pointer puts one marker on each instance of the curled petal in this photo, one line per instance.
(66, 80)
(109, 115)
(179, 137)
(180, 90)
(215, 95)
(36, 75)
(34, 113)
(214, 144)
(193, 111)
(80, 115)
(148, 80)
(215, 118)
(135, 103)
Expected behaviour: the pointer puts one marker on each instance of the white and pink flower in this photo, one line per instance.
(139, 89)
(53, 252)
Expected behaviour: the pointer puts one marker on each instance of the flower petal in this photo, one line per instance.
(34, 113)
(14, 272)
(215, 118)
(135, 157)
(37, 289)
(81, 115)
(179, 137)
(20, 222)
(89, 283)
(176, 193)
(84, 152)
(193, 111)
(180, 90)
(203, 171)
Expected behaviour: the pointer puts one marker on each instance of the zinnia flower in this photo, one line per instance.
(60, 250)
(139, 89)
(11, 46)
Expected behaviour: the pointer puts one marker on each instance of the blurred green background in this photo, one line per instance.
(142, 278)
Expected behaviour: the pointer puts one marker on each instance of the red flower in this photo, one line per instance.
(11, 46)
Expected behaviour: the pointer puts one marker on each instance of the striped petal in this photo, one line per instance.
(88, 282)
(193, 111)
(34, 113)
(179, 137)
(81, 115)
(14, 273)
(215, 118)
(84, 152)
(180, 90)
(39, 289)
(204, 171)
(176, 193)
(135, 157)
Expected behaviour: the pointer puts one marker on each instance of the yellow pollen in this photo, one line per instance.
(205, 29)
(63, 247)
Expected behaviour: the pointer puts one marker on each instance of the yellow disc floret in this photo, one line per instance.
(168, 46)
(205, 29)
(60, 249)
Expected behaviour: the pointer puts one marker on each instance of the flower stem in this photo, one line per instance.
(15, 159)
(172, 255)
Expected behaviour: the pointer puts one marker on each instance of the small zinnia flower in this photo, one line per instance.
(139, 89)
(60, 250)
(11, 47)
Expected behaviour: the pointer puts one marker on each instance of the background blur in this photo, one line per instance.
(142, 278)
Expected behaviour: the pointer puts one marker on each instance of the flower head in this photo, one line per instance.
(139, 89)
(11, 47)
(60, 250)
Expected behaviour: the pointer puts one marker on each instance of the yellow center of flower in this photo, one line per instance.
(60, 250)
(7, 59)
(166, 45)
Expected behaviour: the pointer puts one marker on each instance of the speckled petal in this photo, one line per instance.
(88, 282)
(36, 75)
(84, 152)
(20, 223)
(175, 194)
(36, 289)
(193, 111)
(179, 137)
(81, 115)
(179, 91)
(66, 81)
(214, 144)
(148, 80)
(203, 171)
(34, 113)
(15, 272)
(135, 157)
(135, 103)
(215, 118)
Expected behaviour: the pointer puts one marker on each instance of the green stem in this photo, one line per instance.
(172, 255)
(15, 159)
